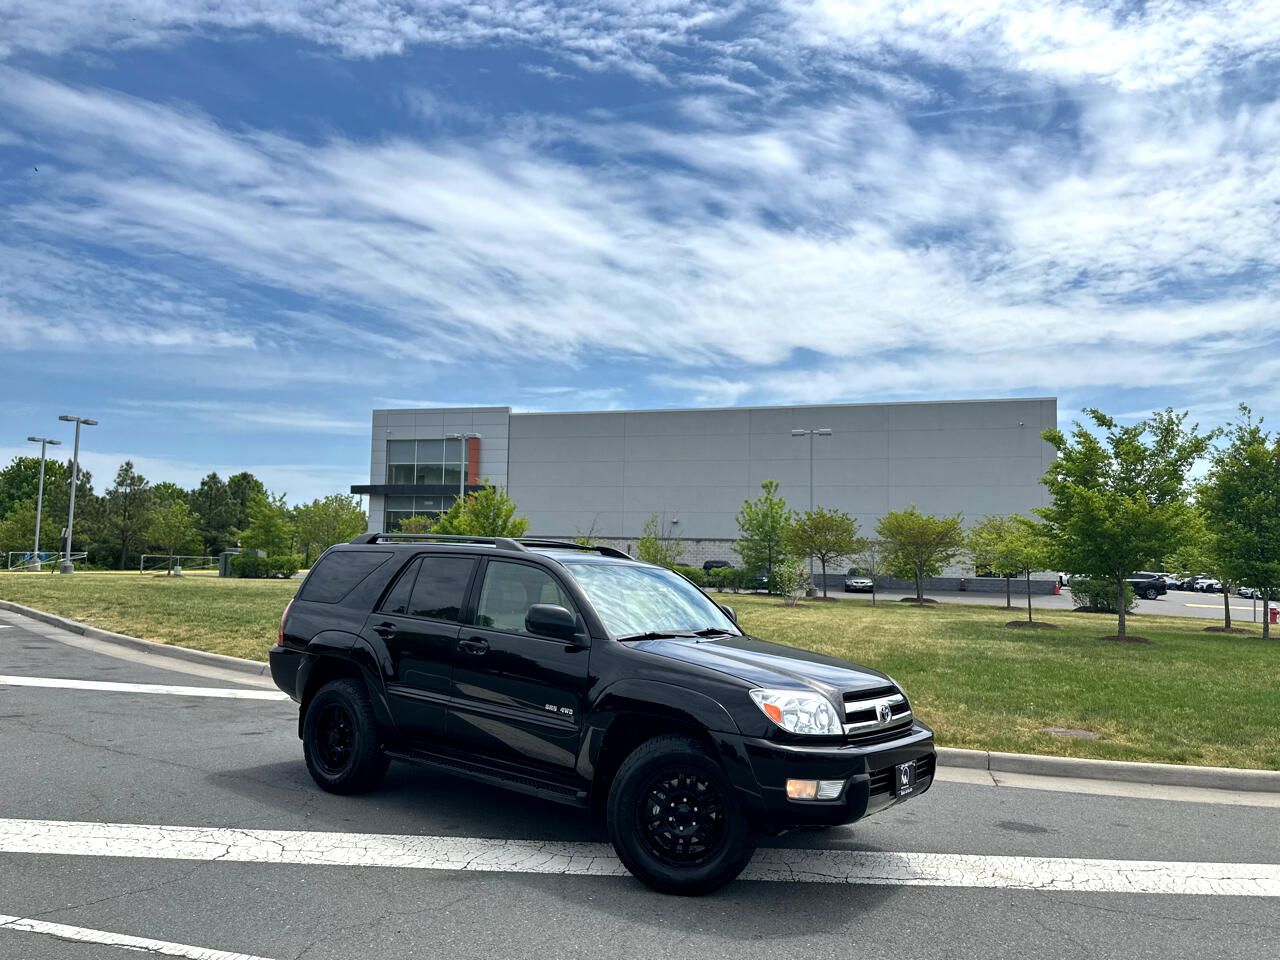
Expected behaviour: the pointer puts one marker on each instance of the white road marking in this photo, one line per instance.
(142, 944)
(597, 859)
(232, 693)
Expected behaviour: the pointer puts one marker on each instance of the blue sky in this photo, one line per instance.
(232, 228)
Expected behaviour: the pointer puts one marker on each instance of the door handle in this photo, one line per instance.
(475, 646)
(385, 630)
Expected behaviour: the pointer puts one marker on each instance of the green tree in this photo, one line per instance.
(1241, 501)
(18, 529)
(920, 545)
(166, 492)
(1119, 497)
(124, 513)
(20, 481)
(173, 528)
(418, 523)
(487, 512)
(762, 526)
(270, 527)
(243, 488)
(871, 559)
(993, 544)
(215, 512)
(322, 523)
(1200, 552)
(826, 535)
(657, 546)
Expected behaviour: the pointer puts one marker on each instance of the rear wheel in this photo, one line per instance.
(340, 739)
(1151, 593)
(675, 820)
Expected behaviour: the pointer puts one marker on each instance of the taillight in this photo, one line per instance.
(280, 632)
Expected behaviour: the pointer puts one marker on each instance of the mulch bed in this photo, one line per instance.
(918, 603)
(1225, 630)
(1031, 625)
(1131, 638)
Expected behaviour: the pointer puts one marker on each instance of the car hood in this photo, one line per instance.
(764, 664)
(857, 579)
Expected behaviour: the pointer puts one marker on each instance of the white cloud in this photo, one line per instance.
(996, 260)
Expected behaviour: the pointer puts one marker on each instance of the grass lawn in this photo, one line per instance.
(1189, 697)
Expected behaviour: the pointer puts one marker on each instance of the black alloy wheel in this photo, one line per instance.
(681, 816)
(675, 819)
(340, 739)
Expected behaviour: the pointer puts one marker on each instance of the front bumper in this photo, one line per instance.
(868, 771)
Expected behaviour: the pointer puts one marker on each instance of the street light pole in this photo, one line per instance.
(43, 441)
(811, 432)
(66, 565)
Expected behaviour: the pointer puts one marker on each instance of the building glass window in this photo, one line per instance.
(399, 509)
(437, 463)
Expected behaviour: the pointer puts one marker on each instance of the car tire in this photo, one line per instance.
(1151, 593)
(653, 821)
(340, 739)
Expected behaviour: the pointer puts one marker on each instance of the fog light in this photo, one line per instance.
(829, 789)
(802, 789)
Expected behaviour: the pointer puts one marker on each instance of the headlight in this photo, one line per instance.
(798, 712)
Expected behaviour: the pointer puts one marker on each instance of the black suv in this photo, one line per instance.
(583, 676)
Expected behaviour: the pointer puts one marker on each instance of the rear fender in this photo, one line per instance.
(336, 653)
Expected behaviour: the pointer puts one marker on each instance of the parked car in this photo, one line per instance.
(1149, 586)
(1250, 593)
(855, 582)
(580, 675)
(1190, 582)
(1208, 585)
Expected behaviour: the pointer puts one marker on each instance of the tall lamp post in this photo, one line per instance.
(43, 441)
(66, 566)
(464, 437)
(811, 432)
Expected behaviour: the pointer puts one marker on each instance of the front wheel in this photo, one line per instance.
(1151, 594)
(340, 739)
(675, 820)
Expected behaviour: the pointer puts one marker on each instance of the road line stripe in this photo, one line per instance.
(308, 848)
(85, 935)
(232, 693)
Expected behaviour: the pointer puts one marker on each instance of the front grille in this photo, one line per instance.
(876, 716)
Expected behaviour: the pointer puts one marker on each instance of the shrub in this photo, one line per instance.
(250, 566)
(284, 566)
(789, 580)
(696, 574)
(1097, 595)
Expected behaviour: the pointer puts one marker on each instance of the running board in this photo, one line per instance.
(513, 778)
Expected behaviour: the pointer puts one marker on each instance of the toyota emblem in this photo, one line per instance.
(883, 713)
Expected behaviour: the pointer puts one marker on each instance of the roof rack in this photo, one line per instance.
(518, 545)
(502, 543)
(570, 545)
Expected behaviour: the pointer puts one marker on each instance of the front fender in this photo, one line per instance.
(663, 701)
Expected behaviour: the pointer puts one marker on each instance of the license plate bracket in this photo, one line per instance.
(904, 779)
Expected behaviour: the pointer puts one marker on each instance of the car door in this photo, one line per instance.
(417, 626)
(517, 696)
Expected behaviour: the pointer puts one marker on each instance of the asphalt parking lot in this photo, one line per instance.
(143, 798)
(1176, 603)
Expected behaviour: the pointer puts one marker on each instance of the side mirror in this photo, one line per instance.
(551, 620)
(728, 612)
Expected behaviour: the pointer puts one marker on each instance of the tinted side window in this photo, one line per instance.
(398, 599)
(440, 588)
(337, 574)
(510, 589)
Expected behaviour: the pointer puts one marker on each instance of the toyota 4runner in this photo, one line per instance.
(580, 675)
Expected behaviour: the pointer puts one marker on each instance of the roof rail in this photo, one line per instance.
(502, 543)
(570, 545)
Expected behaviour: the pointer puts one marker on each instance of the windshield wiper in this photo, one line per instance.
(713, 632)
(658, 635)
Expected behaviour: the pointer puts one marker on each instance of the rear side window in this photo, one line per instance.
(441, 587)
(398, 599)
(337, 574)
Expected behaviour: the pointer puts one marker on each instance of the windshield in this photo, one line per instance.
(633, 600)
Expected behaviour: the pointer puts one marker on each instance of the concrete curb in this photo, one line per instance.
(1163, 774)
(249, 667)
